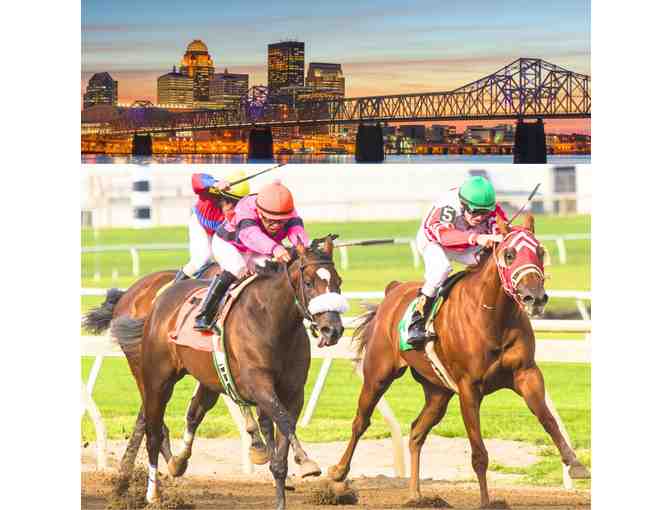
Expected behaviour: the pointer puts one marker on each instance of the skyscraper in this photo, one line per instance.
(175, 89)
(198, 65)
(102, 89)
(227, 88)
(326, 79)
(285, 65)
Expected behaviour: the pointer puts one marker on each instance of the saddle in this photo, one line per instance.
(434, 361)
(185, 334)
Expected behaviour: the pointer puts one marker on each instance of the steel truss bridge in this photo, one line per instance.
(526, 88)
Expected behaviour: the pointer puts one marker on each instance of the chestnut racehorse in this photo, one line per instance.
(485, 341)
(269, 352)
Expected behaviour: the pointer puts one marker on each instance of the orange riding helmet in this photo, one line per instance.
(275, 201)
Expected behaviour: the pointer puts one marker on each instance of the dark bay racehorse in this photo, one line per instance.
(485, 341)
(135, 303)
(268, 347)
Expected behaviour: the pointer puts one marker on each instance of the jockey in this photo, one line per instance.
(456, 228)
(216, 202)
(253, 235)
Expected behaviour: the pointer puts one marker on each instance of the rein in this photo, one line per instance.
(300, 299)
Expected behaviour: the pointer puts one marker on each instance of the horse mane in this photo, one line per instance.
(485, 256)
(272, 268)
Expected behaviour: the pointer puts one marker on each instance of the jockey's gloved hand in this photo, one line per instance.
(223, 185)
(488, 240)
(281, 254)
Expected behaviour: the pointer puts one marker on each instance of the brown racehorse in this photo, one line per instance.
(268, 347)
(485, 341)
(135, 303)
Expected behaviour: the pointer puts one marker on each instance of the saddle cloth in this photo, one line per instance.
(185, 334)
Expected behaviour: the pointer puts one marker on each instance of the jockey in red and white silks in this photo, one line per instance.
(456, 228)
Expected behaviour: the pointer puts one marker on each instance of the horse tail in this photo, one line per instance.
(126, 331)
(362, 333)
(98, 319)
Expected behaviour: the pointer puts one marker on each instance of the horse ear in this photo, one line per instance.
(501, 225)
(529, 222)
(328, 245)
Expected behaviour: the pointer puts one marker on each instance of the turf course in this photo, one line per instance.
(504, 414)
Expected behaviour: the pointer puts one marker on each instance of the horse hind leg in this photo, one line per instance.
(259, 452)
(202, 401)
(529, 384)
(436, 403)
(377, 379)
(158, 391)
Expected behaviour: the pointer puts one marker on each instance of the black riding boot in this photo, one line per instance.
(181, 275)
(206, 315)
(417, 334)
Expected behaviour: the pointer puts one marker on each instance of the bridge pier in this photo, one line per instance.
(260, 143)
(369, 144)
(530, 142)
(142, 145)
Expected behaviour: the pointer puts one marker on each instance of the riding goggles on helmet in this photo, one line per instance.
(475, 211)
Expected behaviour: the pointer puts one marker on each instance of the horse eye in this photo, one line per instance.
(309, 284)
(509, 256)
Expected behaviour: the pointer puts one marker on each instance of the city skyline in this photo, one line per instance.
(383, 47)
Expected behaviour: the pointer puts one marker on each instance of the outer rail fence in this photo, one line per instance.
(547, 350)
(344, 262)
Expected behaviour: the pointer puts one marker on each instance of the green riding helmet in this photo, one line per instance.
(477, 194)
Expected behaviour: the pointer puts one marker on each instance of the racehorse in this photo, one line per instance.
(269, 352)
(485, 341)
(135, 303)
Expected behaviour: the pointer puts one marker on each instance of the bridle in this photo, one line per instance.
(300, 297)
(518, 239)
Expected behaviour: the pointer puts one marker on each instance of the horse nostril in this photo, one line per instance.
(528, 300)
(327, 331)
(544, 300)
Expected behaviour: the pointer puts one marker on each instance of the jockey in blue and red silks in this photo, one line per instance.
(216, 202)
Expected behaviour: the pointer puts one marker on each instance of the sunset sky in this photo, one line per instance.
(384, 47)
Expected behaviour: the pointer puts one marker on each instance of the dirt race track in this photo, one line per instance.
(214, 480)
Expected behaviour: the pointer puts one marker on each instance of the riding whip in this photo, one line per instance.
(223, 192)
(365, 243)
(529, 199)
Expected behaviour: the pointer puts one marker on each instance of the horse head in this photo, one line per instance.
(520, 263)
(318, 287)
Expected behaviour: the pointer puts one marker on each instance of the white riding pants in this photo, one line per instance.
(229, 258)
(437, 262)
(200, 246)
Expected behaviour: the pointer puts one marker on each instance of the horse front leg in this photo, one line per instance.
(436, 402)
(202, 401)
(529, 384)
(270, 405)
(470, 406)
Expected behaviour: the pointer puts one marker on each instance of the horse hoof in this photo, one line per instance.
(177, 466)
(497, 504)
(259, 456)
(337, 473)
(310, 468)
(578, 472)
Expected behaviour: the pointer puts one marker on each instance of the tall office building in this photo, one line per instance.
(285, 65)
(228, 88)
(175, 89)
(326, 79)
(198, 65)
(101, 89)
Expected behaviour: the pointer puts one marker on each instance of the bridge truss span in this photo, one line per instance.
(526, 88)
